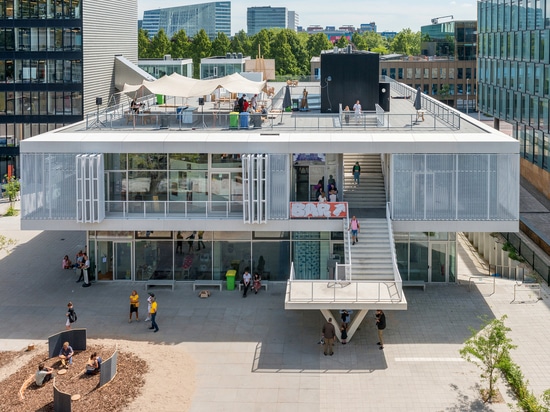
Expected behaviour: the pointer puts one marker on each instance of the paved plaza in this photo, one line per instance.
(252, 355)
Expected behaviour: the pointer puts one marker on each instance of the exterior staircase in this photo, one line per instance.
(371, 257)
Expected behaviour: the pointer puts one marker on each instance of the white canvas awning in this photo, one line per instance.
(181, 86)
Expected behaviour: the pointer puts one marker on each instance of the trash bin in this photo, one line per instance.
(256, 120)
(230, 276)
(244, 119)
(164, 121)
(233, 120)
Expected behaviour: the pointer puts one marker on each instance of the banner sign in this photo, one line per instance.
(325, 210)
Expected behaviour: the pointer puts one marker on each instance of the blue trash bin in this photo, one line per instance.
(244, 120)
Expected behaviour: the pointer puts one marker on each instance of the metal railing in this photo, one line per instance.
(397, 275)
(529, 288)
(153, 209)
(482, 280)
(346, 267)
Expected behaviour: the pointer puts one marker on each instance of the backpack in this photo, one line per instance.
(72, 316)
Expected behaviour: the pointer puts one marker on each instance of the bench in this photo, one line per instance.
(160, 282)
(415, 283)
(263, 285)
(207, 283)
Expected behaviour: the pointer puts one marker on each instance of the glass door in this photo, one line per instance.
(219, 191)
(122, 265)
(438, 262)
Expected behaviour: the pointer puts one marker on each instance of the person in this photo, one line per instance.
(357, 111)
(191, 241)
(154, 308)
(332, 196)
(149, 301)
(71, 316)
(85, 267)
(245, 105)
(354, 226)
(66, 355)
(322, 197)
(356, 170)
(304, 104)
(134, 305)
(256, 282)
(332, 188)
(346, 114)
(328, 333)
(200, 243)
(93, 366)
(344, 333)
(135, 106)
(380, 325)
(179, 243)
(344, 314)
(240, 103)
(67, 264)
(78, 265)
(331, 181)
(263, 110)
(246, 281)
(43, 374)
(254, 102)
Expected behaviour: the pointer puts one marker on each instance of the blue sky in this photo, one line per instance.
(393, 15)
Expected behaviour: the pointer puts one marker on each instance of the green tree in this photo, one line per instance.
(12, 188)
(180, 45)
(160, 45)
(285, 60)
(316, 43)
(298, 50)
(6, 244)
(359, 40)
(241, 43)
(406, 42)
(488, 348)
(221, 45)
(342, 42)
(261, 43)
(143, 44)
(201, 47)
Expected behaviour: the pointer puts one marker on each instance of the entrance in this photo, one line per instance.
(438, 262)
(114, 260)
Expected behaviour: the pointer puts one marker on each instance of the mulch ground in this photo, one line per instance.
(7, 357)
(113, 396)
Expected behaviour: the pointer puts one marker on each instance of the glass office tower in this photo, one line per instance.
(514, 78)
(258, 18)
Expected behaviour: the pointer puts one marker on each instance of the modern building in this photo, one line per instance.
(190, 205)
(514, 85)
(56, 58)
(267, 17)
(219, 66)
(366, 27)
(167, 66)
(213, 17)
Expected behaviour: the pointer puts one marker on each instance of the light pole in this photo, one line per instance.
(467, 93)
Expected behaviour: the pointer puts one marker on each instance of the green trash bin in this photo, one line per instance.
(230, 276)
(234, 120)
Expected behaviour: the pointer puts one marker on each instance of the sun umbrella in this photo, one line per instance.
(418, 99)
(287, 101)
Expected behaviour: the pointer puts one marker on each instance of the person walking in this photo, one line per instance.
(154, 308)
(381, 325)
(191, 241)
(149, 301)
(329, 333)
(70, 315)
(134, 305)
(344, 333)
(354, 226)
(357, 109)
(356, 170)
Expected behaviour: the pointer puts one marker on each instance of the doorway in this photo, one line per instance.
(114, 260)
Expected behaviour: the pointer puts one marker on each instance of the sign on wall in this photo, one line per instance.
(326, 210)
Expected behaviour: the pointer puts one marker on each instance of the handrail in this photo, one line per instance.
(142, 208)
(482, 278)
(347, 236)
(396, 273)
(528, 286)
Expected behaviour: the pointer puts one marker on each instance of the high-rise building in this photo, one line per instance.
(267, 17)
(213, 17)
(514, 79)
(56, 58)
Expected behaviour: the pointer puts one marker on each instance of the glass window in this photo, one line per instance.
(426, 73)
(147, 185)
(271, 260)
(147, 161)
(434, 72)
(231, 255)
(154, 259)
(226, 160)
(188, 161)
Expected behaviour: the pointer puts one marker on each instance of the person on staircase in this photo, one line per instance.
(356, 170)
(354, 226)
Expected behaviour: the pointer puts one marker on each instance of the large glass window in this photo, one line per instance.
(153, 259)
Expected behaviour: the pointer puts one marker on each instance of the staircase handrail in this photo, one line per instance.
(347, 240)
(397, 275)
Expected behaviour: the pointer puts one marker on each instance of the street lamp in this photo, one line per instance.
(467, 93)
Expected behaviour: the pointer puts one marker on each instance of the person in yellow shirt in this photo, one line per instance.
(153, 314)
(134, 305)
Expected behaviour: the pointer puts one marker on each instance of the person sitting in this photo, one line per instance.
(322, 197)
(135, 106)
(256, 282)
(66, 355)
(43, 374)
(93, 366)
(67, 264)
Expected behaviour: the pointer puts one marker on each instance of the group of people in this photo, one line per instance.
(190, 241)
(321, 195)
(151, 309)
(251, 281)
(357, 111)
(243, 105)
(82, 263)
(328, 333)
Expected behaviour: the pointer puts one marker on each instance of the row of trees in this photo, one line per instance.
(292, 51)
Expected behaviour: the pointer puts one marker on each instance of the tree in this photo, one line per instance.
(160, 45)
(6, 243)
(261, 43)
(220, 45)
(406, 42)
(180, 45)
(241, 43)
(316, 43)
(488, 348)
(12, 187)
(143, 44)
(342, 42)
(200, 48)
(285, 60)
(298, 51)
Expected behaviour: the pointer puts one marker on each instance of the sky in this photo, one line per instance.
(393, 15)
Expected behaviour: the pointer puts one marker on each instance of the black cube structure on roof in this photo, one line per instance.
(348, 77)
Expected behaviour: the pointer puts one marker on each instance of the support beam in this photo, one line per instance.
(354, 324)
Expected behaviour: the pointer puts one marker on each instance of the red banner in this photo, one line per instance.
(325, 210)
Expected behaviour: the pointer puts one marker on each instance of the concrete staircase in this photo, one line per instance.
(371, 257)
(370, 193)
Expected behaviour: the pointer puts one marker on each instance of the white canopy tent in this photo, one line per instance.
(181, 86)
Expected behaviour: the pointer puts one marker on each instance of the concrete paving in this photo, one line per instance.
(252, 355)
